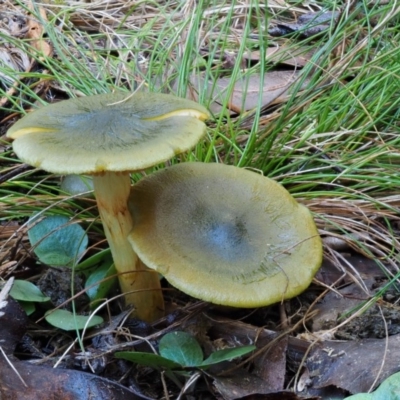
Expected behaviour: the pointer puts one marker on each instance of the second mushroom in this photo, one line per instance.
(224, 234)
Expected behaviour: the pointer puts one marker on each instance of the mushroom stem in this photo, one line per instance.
(141, 285)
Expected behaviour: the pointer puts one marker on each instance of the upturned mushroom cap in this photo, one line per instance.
(224, 235)
(108, 132)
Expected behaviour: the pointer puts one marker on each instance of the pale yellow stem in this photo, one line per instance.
(141, 285)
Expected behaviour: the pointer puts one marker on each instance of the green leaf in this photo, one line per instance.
(28, 306)
(27, 291)
(93, 260)
(181, 348)
(68, 321)
(104, 271)
(389, 389)
(226, 354)
(148, 359)
(55, 242)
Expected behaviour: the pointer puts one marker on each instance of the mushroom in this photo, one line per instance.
(108, 136)
(223, 234)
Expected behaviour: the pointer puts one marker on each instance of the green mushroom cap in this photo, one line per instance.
(224, 234)
(108, 132)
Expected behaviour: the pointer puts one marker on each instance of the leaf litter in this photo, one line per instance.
(341, 335)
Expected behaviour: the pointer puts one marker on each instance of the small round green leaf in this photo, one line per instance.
(27, 291)
(69, 321)
(148, 359)
(56, 242)
(93, 261)
(226, 355)
(28, 306)
(181, 348)
(103, 275)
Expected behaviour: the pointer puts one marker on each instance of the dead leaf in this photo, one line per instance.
(271, 365)
(354, 365)
(249, 92)
(33, 381)
(309, 24)
(294, 57)
(242, 384)
(367, 269)
(35, 33)
(335, 304)
(268, 375)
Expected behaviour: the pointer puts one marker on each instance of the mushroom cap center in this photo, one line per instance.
(224, 234)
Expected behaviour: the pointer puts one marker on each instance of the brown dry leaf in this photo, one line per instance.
(351, 365)
(329, 274)
(34, 381)
(271, 365)
(294, 57)
(35, 33)
(248, 92)
(333, 305)
(308, 25)
(243, 385)
(356, 366)
(268, 374)
(354, 294)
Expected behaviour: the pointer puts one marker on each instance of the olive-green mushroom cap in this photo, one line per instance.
(108, 132)
(224, 234)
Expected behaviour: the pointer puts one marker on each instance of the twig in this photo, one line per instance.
(384, 354)
(12, 367)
